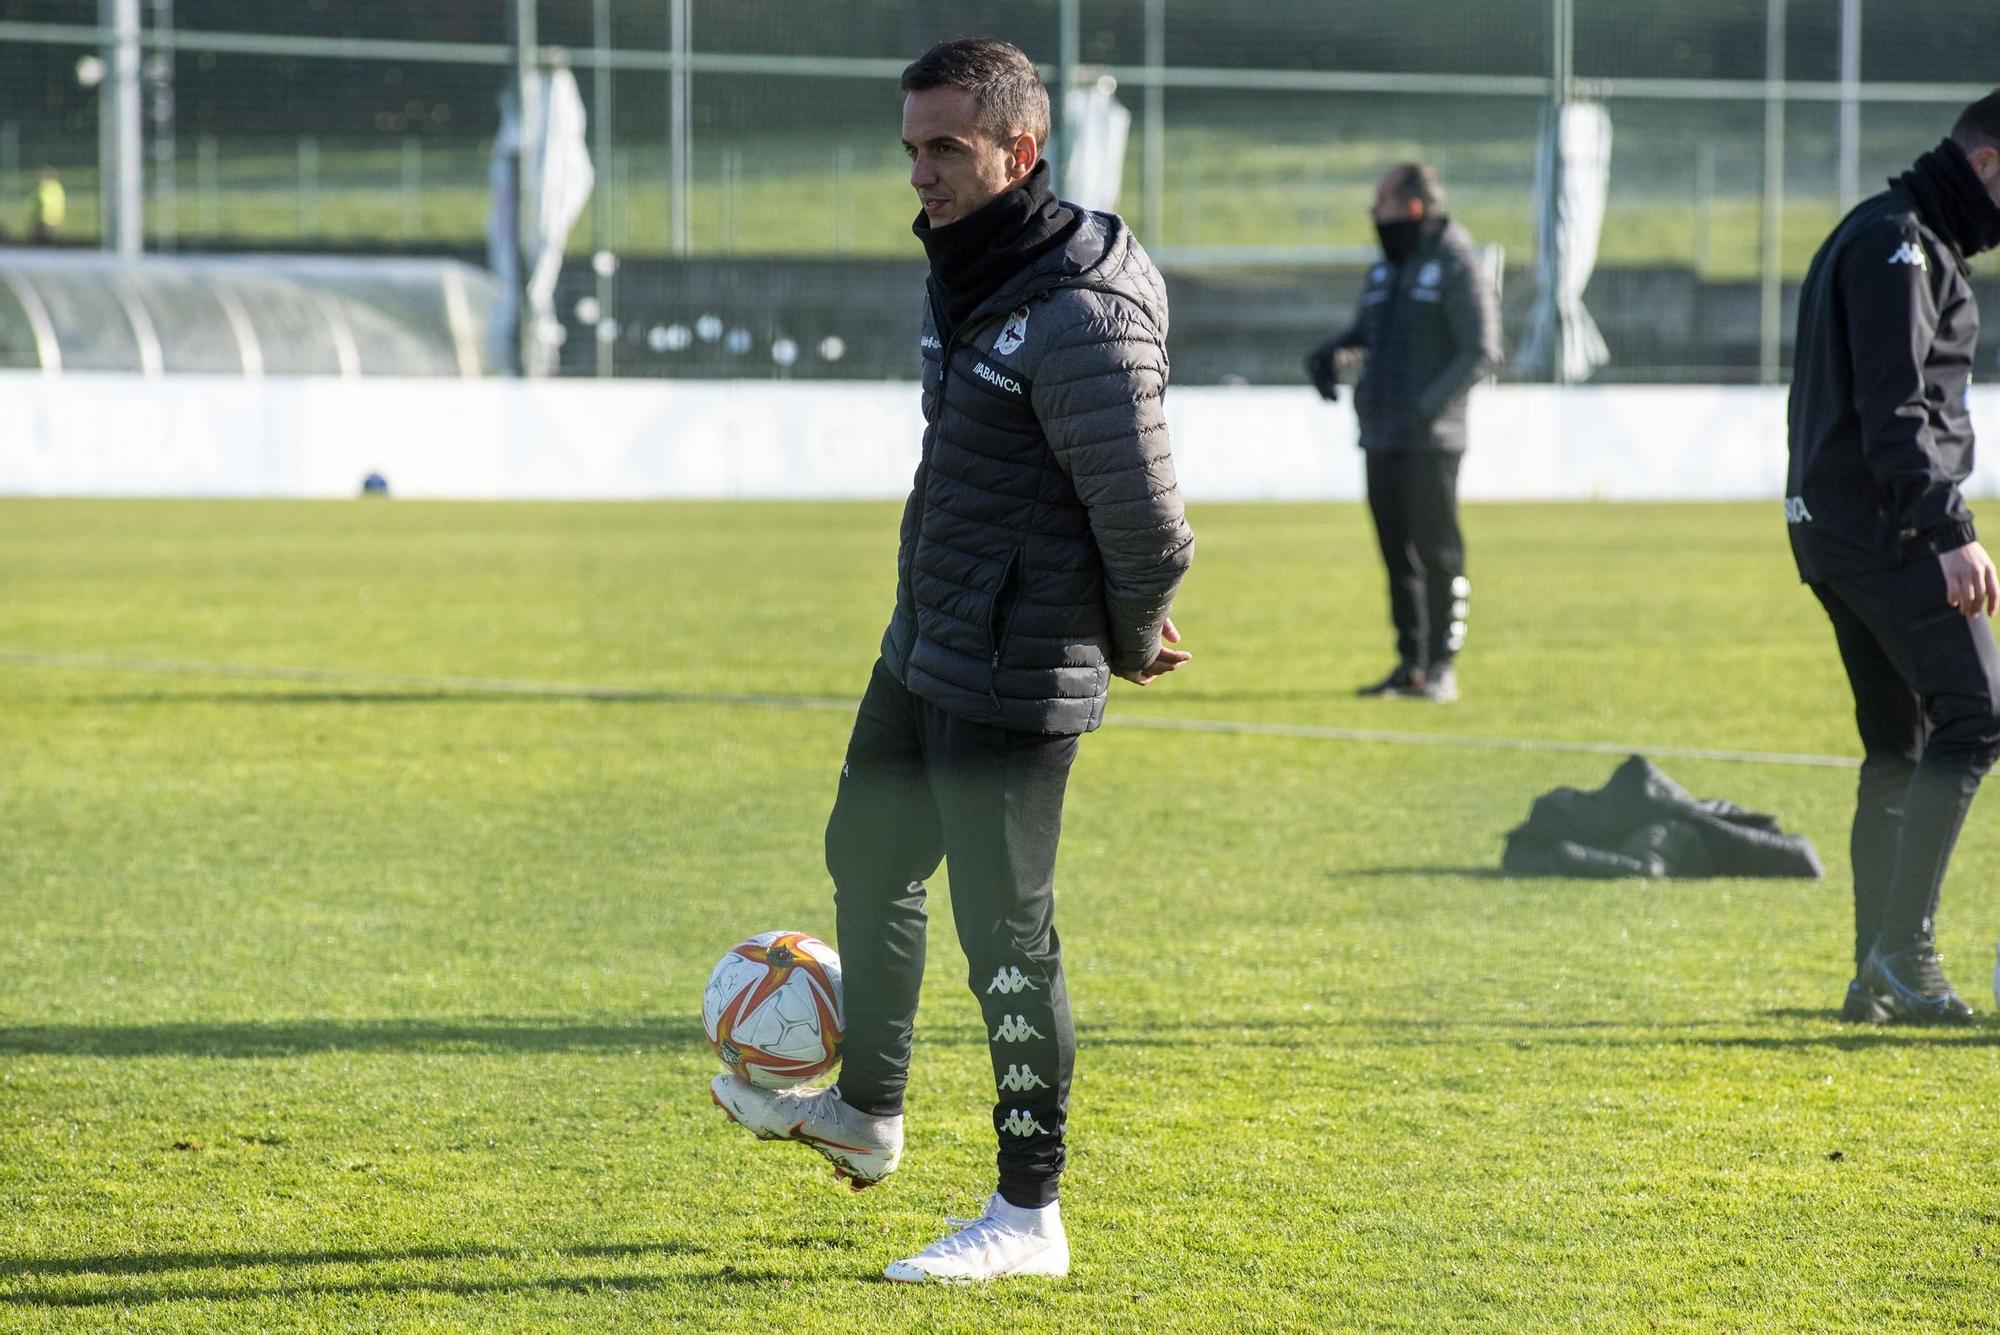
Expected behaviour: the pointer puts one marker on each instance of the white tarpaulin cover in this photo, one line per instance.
(566, 178)
(1572, 178)
(1095, 126)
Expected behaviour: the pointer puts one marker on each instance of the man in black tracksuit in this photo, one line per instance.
(1428, 328)
(1881, 441)
(1042, 546)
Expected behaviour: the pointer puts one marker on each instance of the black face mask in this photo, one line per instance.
(1399, 239)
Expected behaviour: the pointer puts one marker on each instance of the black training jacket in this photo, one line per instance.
(1881, 437)
(1044, 539)
(1431, 328)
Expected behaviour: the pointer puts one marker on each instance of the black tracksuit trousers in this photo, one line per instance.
(1413, 495)
(920, 786)
(1927, 701)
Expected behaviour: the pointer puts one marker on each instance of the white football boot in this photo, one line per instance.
(862, 1149)
(1006, 1240)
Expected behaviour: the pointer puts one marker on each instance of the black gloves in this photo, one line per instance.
(1320, 371)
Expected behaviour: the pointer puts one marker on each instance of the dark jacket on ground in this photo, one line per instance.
(1431, 329)
(1881, 436)
(1642, 823)
(1044, 540)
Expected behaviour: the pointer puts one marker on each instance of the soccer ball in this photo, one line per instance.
(772, 1009)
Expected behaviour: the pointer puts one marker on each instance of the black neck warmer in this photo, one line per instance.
(1952, 199)
(973, 258)
(1404, 237)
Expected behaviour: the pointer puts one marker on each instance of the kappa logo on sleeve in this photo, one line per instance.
(930, 341)
(1014, 333)
(1911, 253)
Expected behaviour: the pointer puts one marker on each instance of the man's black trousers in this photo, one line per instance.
(1927, 701)
(1413, 495)
(920, 786)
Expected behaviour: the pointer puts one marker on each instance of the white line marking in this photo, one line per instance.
(843, 704)
(1472, 742)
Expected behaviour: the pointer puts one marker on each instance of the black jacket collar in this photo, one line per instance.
(1952, 199)
(974, 258)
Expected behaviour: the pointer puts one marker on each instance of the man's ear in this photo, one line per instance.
(1986, 163)
(1022, 155)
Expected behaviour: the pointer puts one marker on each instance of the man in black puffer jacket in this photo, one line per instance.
(1042, 546)
(1881, 441)
(1427, 330)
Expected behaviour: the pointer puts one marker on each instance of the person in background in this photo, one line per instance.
(48, 207)
(1428, 329)
(1881, 445)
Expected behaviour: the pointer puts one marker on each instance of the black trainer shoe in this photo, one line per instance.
(1440, 686)
(1862, 1006)
(1407, 679)
(1911, 985)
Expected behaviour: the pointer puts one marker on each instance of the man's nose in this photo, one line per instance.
(921, 174)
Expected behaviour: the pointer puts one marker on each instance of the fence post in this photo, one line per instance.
(10, 163)
(1771, 289)
(413, 187)
(308, 202)
(1153, 165)
(679, 114)
(1850, 104)
(207, 186)
(600, 203)
(120, 175)
(843, 200)
(1704, 203)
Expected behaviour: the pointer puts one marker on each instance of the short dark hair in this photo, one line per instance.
(1009, 93)
(1416, 181)
(1979, 124)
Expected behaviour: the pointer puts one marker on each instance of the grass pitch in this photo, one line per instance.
(371, 1001)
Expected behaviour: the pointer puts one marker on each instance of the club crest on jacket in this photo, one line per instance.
(1014, 333)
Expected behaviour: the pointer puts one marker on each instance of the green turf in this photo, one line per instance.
(337, 1005)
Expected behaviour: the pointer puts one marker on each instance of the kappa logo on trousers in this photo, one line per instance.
(1018, 1123)
(1010, 980)
(1020, 1079)
(1015, 1029)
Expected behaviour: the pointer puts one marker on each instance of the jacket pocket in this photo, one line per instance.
(1002, 606)
(998, 613)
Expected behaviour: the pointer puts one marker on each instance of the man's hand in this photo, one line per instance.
(1169, 659)
(1320, 372)
(1970, 583)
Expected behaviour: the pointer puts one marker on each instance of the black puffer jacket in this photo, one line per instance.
(1044, 540)
(1430, 327)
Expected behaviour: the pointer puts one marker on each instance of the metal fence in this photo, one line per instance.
(729, 132)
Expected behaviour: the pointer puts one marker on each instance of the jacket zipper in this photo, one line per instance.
(945, 348)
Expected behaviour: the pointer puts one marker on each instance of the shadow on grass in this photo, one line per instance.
(284, 1038)
(472, 694)
(152, 1263)
(267, 1039)
(1514, 1034)
(306, 1287)
(1485, 872)
(137, 1296)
